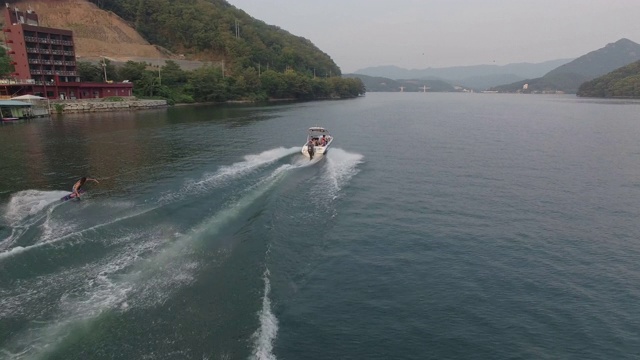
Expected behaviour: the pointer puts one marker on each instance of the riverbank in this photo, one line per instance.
(133, 103)
(106, 104)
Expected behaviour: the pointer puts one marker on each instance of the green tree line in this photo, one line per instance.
(209, 84)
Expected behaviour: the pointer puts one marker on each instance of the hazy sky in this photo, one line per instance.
(440, 33)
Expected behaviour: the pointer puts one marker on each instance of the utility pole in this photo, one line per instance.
(104, 67)
(237, 28)
(159, 75)
(223, 68)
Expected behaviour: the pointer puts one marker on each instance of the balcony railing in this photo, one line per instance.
(34, 61)
(66, 73)
(69, 53)
(17, 81)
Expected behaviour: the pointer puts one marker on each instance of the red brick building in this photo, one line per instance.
(45, 62)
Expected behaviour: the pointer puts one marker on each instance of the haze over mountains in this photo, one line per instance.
(476, 76)
(562, 75)
(568, 77)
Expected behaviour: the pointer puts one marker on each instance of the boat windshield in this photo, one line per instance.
(318, 132)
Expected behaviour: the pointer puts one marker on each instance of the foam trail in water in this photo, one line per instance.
(265, 335)
(231, 172)
(301, 161)
(108, 208)
(216, 223)
(149, 282)
(86, 292)
(250, 163)
(341, 167)
(25, 209)
(18, 249)
(51, 228)
(28, 203)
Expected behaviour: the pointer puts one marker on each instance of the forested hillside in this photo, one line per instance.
(216, 30)
(623, 82)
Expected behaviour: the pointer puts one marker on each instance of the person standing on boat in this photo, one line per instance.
(310, 149)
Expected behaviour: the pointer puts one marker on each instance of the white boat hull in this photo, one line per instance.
(318, 150)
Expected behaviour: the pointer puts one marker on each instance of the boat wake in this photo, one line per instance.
(227, 174)
(27, 203)
(141, 263)
(341, 167)
(72, 232)
(25, 209)
(264, 337)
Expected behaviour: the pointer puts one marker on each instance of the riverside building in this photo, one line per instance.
(45, 62)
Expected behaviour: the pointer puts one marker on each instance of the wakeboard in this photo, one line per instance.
(71, 196)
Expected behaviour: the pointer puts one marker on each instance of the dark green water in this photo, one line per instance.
(439, 226)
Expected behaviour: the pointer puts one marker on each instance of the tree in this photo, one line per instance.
(172, 74)
(132, 71)
(207, 84)
(148, 85)
(6, 67)
(89, 72)
(273, 84)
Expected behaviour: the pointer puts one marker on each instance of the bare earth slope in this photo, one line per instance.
(96, 32)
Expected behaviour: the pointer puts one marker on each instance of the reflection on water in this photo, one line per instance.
(50, 153)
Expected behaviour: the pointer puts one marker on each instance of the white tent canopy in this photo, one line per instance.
(28, 97)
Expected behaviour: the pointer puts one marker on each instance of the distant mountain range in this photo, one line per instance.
(477, 77)
(568, 77)
(556, 76)
(382, 84)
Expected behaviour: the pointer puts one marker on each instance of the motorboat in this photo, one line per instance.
(318, 142)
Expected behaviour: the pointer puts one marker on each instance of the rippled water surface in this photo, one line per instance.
(438, 226)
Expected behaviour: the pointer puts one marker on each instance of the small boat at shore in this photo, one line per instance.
(318, 142)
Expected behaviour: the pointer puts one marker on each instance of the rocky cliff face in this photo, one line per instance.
(96, 32)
